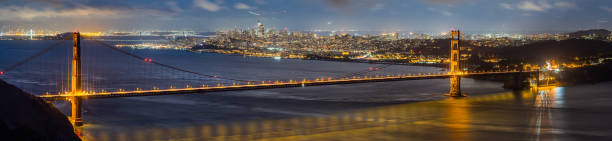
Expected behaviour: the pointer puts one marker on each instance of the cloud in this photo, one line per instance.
(446, 13)
(377, 6)
(206, 5)
(353, 6)
(606, 8)
(538, 5)
(445, 1)
(259, 1)
(173, 6)
(339, 3)
(27, 13)
(545, 4)
(531, 6)
(253, 13)
(242, 6)
(564, 4)
(443, 12)
(506, 6)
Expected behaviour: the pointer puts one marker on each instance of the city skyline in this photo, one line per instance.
(336, 70)
(426, 16)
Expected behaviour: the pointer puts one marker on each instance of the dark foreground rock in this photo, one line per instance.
(24, 117)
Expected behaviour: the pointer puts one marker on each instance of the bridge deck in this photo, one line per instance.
(262, 86)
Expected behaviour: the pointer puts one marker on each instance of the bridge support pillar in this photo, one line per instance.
(455, 87)
(76, 80)
(454, 67)
(76, 118)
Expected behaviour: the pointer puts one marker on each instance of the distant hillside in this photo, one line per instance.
(560, 50)
(24, 117)
(601, 34)
(588, 74)
(442, 48)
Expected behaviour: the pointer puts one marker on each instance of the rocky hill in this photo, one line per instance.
(24, 117)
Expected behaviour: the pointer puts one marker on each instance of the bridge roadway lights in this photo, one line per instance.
(76, 100)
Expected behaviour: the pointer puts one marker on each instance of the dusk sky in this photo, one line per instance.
(472, 16)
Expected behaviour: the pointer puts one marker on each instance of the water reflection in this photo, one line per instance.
(522, 115)
(546, 99)
(458, 118)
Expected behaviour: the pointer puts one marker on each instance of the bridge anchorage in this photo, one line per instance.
(77, 95)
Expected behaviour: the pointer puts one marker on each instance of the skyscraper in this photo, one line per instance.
(260, 29)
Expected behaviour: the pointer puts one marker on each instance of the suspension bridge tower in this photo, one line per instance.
(454, 68)
(76, 80)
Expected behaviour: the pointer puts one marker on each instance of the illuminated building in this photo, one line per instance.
(260, 29)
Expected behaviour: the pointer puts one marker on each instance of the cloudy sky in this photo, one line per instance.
(476, 16)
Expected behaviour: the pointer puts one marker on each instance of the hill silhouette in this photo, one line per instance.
(601, 34)
(539, 52)
(24, 117)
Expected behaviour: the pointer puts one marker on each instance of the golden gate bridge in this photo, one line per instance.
(76, 92)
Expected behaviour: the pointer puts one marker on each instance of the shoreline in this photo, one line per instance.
(500, 79)
(438, 65)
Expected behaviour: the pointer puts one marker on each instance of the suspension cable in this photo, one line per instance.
(165, 65)
(348, 75)
(24, 61)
